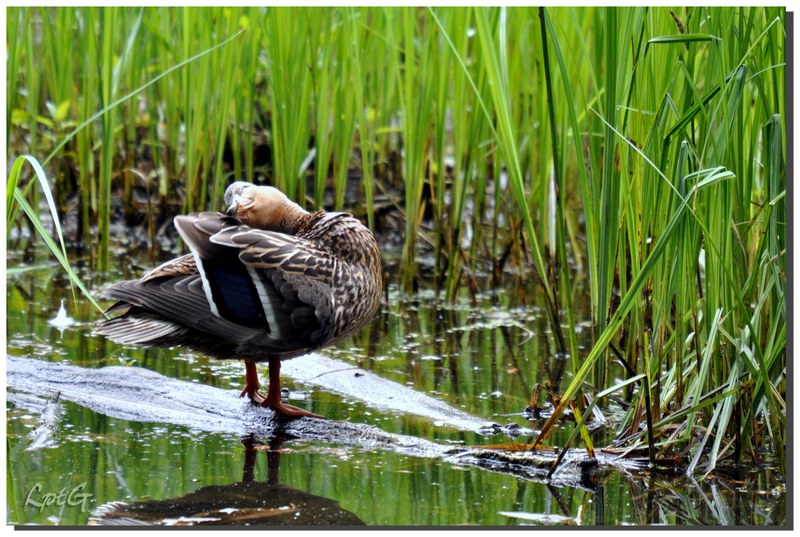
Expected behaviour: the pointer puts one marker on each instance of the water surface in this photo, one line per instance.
(482, 355)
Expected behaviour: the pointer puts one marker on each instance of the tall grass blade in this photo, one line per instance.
(58, 250)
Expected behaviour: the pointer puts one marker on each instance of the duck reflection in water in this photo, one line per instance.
(247, 503)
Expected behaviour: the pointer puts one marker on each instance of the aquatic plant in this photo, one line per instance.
(634, 155)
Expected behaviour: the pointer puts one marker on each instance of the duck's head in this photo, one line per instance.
(262, 207)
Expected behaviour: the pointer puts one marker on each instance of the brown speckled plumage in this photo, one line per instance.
(270, 282)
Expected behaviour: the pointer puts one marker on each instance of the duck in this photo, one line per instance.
(266, 281)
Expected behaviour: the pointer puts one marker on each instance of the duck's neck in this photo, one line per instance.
(291, 220)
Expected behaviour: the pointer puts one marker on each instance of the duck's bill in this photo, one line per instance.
(238, 202)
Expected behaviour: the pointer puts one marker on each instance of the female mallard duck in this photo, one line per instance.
(267, 282)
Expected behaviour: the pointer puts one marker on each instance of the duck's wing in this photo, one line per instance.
(175, 268)
(169, 313)
(278, 283)
(168, 307)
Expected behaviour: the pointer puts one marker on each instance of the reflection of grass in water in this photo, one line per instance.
(478, 117)
(135, 461)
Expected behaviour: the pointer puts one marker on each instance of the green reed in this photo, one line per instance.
(699, 313)
(634, 154)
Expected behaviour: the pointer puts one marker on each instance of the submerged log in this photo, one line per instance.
(137, 394)
(384, 395)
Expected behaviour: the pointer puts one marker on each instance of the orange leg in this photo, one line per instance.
(273, 398)
(251, 384)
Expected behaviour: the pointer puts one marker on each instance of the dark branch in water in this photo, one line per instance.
(136, 394)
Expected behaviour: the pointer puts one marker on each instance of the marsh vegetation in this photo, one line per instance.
(603, 187)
